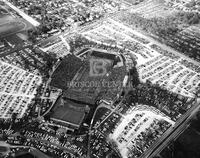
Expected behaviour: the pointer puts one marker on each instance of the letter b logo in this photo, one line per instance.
(98, 67)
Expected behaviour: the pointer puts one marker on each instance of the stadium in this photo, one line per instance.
(96, 79)
(82, 89)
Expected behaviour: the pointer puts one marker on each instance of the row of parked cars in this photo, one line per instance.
(17, 90)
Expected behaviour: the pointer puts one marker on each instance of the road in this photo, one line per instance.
(22, 14)
(173, 132)
(46, 142)
(152, 41)
(182, 123)
(33, 151)
(91, 123)
(47, 85)
(51, 143)
(16, 49)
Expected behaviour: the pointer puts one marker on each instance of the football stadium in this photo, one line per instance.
(82, 87)
(87, 86)
(100, 78)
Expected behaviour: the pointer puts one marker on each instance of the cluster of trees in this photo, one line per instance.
(153, 25)
(32, 35)
(134, 77)
(192, 3)
(188, 17)
(77, 41)
(164, 26)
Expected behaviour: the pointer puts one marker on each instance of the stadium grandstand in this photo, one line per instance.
(89, 88)
(65, 72)
(82, 90)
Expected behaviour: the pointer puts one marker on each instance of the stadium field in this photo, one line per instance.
(70, 112)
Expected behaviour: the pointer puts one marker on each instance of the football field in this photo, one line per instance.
(70, 112)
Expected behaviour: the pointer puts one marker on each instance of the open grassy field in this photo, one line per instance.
(11, 28)
(10, 22)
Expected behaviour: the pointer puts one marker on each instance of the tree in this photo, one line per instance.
(62, 138)
(4, 136)
(32, 35)
(191, 4)
(14, 117)
(195, 19)
(55, 128)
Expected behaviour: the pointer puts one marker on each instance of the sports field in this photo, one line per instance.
(11, 28)
(69, 113)
(10, 23)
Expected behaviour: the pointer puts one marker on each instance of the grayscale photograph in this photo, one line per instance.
(99, 78)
